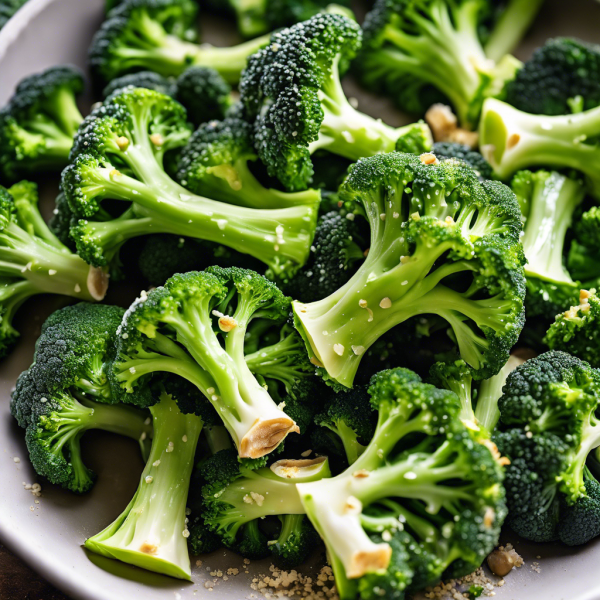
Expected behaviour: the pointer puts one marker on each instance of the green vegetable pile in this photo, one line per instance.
(347, 337)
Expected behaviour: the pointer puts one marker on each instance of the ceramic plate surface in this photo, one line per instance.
(49, 535)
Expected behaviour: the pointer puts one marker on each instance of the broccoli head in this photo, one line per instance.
(443, 244)
(195, 327)
(296, 112)
(216, 163)
(158, 35)
(424, 480)
(238, 498)
(562, 77)
(450, 150)
(548, 411)
(38, 123)
(66, 393)
(576, 330)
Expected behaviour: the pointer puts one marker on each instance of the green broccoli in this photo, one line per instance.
(216, 163)
(178, 328)
(33, 261)
(118, 155)
(255, 17)
(61, 221)
(152, 531)
(548, 201)
(38, 123)
(426, 492)
(296, 112)
(576, 330)
(66, 393)
(449, 150)
(512, 140)
(442, 243)
(583, 261)
(201, 90)
(548, 413)
(336, 253)
(562, 77)
(478, 399)
(158, 35)
(237, 498)
(412, 46)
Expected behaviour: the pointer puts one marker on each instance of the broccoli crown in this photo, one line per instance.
(280, 91)
(563, 76)
(587, 227)
(455, 376)
(436, 220)
(576, 329)
(403, 36)
(38, 123)
(137, 31)
(142, 79)
(396, 478)
(62, 220)
(449, 150)
(65, 392)
(548, 408)
(335, 254)
(204, 93)
(237, 497)
(195, 327)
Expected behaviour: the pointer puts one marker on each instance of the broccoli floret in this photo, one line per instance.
(576, 330)
(512, 140)
(151, 532)
(158, 35)
(442, 243)
(35, 262)
(548, 410)
(412, 46)
(7, 10)
(118, 156)
(259, 16)
(66, 392)
(478, 399)
(237, 498)
(563, 76)
(296, 112)
(178, 328)
(423, 469)
(350, 416)
(38, 123)
(548, 201)
(201, 90)
(62, 220)
(509, 25)
(216, 163)
(449, 150)
(336, 252)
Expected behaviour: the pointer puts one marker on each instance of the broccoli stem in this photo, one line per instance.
(63, 108)
(217, 438)
(47, 268)
(250, 16)
(512, 140)
(511, 27)
(352, 447)
(554, 201)
(236, 184)
(280, 238)
(52, 144)
(346, 131)
(151, 532)
(573, 481)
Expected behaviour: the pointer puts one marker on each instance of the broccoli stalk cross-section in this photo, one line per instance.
(178, 329)
(155, 35)
(512, 140)
(118, 155)
(151, 532)
(441, 243)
